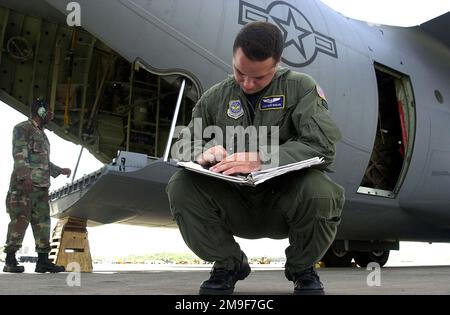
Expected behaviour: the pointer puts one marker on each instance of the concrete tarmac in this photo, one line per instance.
(185, 280)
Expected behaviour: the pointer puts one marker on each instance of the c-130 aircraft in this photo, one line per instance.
(113, 85)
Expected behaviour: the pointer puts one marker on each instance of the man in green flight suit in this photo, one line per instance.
(27, 199)
(304, 206)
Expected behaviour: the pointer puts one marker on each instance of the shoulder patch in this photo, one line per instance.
(235, 109)
(321, 93)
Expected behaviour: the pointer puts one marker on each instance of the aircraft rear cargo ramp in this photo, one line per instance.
(130, 190)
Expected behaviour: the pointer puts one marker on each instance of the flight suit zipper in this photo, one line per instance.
(255, 111)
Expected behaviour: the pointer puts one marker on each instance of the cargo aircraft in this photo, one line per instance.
(113, 71)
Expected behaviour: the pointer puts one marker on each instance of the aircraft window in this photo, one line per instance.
(439, 96)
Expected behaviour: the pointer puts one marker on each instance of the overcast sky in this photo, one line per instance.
(391, 12)
(119, 240)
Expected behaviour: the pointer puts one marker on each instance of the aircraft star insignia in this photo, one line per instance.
(293, 33)
(302, 42)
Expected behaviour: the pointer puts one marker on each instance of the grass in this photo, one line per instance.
(174, 258)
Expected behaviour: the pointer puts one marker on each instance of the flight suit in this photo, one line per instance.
(31, 153)
(305, 206)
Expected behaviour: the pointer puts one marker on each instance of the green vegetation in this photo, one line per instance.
(160, 258)
(175, 258)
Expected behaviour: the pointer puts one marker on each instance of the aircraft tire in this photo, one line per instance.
(362, 259)
(334, 258)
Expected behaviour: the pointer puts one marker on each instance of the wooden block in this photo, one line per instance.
(70, 244)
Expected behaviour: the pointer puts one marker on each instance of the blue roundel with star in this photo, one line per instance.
(302, 41)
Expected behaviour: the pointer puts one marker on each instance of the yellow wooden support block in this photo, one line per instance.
(70, 244)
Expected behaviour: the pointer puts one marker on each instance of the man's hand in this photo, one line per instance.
(66, 171)
(243, 162)
(212, 156)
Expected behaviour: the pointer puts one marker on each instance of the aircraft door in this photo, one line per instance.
(394, 137)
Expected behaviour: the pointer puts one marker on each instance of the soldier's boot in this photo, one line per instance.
(11, 264)
(222, 281)
(307, 282)
(44, 265)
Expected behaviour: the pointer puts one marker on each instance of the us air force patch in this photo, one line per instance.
(235, 109)
(272, 102)
(321, 93)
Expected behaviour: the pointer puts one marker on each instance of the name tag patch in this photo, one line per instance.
(235, 109)
(272, 102)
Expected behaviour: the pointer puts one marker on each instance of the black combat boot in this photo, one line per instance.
(307, 282)
(11, 264)
(44, 265)
(222, 281)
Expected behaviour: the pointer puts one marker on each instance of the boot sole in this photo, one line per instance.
(215, 292)
(45, 271)
(12, 270)
(309, 292)
(240, 276)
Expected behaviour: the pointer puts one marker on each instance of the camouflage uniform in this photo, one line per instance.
(31, 152)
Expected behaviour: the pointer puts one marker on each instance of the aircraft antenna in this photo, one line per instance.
(174, 121)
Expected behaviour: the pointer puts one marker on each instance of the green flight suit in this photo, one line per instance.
(305, 206)
(31, 153)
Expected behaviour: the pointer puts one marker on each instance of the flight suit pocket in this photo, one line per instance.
(39, 153)
(280, 119)
(38, 147)
(327, 126)
(275, 117)
(17, 204)
(330, 209)
(331, 216)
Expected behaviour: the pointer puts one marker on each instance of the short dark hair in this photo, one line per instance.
(259, 41)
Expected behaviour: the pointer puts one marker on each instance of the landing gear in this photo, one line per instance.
(341, 253)
(337, 258)
(365, 258)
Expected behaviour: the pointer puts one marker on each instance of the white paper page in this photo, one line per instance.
(262, 176)
(200, 169)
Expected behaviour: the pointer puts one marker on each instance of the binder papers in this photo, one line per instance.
(254, 178)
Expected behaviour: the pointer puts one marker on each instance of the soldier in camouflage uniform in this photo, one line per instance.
(27, 199)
